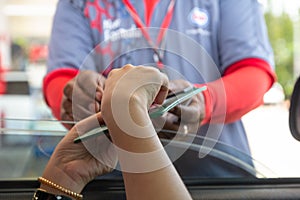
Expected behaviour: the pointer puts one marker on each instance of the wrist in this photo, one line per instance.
(63, 176)
(133, 110)
(137, 134)
(53, 189)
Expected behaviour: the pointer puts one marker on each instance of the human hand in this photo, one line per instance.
(128, 94)
(74, 165)
(82, 96)
(135, 88)
(184, 118)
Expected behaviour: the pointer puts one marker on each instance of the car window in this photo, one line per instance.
(29, 132)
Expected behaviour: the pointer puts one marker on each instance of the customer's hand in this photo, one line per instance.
(82, 96)
(128, 94)
(74, 165)
(184, 118)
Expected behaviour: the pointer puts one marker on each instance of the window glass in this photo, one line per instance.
(29, 132)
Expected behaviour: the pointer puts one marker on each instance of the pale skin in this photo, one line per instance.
(72, 166)
(164, 183)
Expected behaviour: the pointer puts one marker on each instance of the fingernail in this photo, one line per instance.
(98, 96)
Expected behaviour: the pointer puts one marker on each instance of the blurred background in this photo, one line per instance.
(24, 33)
(282, 18)
(25, 27)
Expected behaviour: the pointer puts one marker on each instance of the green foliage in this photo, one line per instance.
(280, 29)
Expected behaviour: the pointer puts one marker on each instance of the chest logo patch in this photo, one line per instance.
(198, 17)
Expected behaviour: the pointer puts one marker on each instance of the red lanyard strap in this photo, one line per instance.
(165, 24)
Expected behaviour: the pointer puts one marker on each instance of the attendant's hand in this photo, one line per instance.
(184, 118)
(74, 165)
(82, 96)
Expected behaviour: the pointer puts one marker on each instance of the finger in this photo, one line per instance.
(88, 81)
(177, 110)
(100, 118)
(77, 111)
(68, 89)
(74, 93)
(99, 94)
(94, 107)
(99, 88)
(188, 113)
(82, 97)
(66, 112)
(81, 112)
(67, 105)
(114, 71)
(163, 91)
(127, 67)
(69, 118)
(101, 80)
(178, 85)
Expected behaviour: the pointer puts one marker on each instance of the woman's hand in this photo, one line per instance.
(128, 94)
(74, 165)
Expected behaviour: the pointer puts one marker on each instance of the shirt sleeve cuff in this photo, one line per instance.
(53, 86)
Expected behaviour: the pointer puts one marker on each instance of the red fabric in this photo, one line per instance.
(53, 86)
(2, 81)
(149, 8)
(240, 90)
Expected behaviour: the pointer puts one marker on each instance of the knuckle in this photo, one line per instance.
(128, 66)
(65, 104)
(112, 72)
(68, 88)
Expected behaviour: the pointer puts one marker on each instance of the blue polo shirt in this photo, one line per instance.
(203, 39)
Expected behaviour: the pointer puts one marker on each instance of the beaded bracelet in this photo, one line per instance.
(60, 188)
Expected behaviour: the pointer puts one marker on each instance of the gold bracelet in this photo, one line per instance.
(60, 188)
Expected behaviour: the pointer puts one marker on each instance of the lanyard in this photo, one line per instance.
(158, 55)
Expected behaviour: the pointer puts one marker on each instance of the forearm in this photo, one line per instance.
(239, 91)
(135, 135)
(160, 184)
(147, 170)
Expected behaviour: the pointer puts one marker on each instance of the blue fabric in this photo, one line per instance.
(205, 37)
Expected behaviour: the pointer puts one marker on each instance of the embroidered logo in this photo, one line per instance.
(198, 17)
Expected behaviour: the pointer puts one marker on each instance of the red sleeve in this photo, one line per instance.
(53, 86)
(239, 91)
